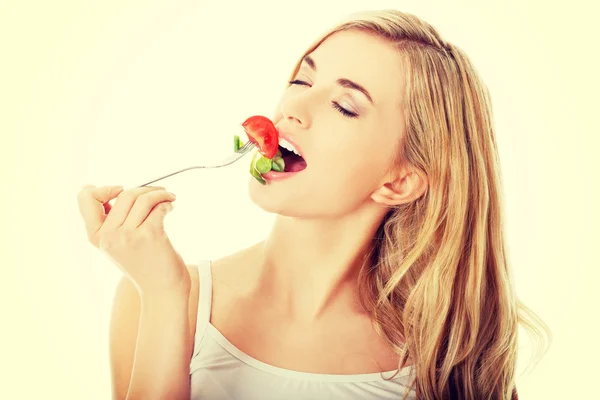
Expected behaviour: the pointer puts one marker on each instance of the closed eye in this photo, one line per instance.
(341, 109)
(298, 82)
(334, 104)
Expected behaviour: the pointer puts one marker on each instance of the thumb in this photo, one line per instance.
(156, 217)
(103, 194)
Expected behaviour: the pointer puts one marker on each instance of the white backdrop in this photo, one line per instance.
(121, 92)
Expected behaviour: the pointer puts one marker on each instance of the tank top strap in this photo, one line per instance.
(204, 302)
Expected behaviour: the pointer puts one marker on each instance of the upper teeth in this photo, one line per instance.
(287, 145)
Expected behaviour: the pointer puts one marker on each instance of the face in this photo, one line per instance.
(343, 110)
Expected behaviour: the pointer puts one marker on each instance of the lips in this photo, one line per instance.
(284, 135)
(277, 176)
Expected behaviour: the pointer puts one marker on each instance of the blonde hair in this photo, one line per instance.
(437, 281)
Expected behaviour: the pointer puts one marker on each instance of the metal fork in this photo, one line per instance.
(227, 161)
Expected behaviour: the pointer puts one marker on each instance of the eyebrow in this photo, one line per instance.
(347, 83)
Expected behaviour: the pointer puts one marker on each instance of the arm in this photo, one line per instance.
(161, 367)
(166, 345)
(131, 232)
(123, 336)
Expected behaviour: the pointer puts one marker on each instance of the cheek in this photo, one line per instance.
(357, 175)
(339, 192)
(358, 171)
(361, 160)
(348, 175)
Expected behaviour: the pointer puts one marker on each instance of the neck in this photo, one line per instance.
(310, 266)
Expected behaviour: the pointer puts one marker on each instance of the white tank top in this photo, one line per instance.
(221, 371)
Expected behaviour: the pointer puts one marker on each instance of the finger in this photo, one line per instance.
(125, 201)
(90, 201)
(144, 205)
(156, 216)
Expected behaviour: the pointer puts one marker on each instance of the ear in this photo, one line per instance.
(402, 189)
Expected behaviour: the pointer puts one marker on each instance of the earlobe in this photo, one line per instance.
(401, 190)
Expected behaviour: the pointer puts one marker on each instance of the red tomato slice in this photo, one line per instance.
(263, 134)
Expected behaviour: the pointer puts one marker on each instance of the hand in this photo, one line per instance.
(131, 233)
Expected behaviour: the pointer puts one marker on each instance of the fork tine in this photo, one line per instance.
(246, 147)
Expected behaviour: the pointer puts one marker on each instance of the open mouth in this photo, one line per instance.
(273, 163)
(293, 161)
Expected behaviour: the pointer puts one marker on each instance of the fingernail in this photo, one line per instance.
(172, 194)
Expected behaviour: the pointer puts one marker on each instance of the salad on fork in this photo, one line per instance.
(275, 157)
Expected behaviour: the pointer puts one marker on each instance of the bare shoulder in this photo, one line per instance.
(235, 270)
(229, 275)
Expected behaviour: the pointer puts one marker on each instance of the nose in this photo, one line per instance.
(295, 108)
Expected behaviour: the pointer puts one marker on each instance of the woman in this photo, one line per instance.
(386, 255)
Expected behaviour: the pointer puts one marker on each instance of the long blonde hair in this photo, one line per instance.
(437, 280)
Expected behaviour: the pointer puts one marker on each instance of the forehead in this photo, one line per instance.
(365, 59)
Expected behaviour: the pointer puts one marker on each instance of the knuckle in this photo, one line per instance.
(82, 194)
(93, 238)
(114, 240)
(105, 242)
(142, 198)
(86, 188)
(126, 195)
(126, 237)
(145, 201)
(151, 232)
(159, 212)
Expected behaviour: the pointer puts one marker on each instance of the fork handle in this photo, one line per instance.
(241, 152)
(171, 174)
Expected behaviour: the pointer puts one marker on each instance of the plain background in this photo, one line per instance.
(121, 92)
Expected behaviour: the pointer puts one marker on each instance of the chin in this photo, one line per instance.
(269, 200)
(290, 204)
(259, 195)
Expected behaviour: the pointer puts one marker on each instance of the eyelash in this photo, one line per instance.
(334, 104)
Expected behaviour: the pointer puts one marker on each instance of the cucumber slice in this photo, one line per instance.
(236, 143)
(253, 170)
(278, 164)
(264, 164)
(256, 175)
(276, 167)
(278, 154)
